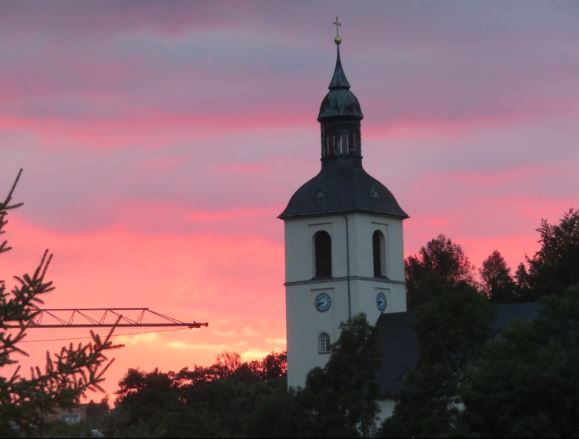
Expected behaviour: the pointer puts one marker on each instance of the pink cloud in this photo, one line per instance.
(228, 215)
(241, 278)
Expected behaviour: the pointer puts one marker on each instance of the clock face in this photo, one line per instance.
(381, 301)
(323, 302)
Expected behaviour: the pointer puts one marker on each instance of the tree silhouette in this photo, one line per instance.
(441, 264)
(451, 329)
(339, 400)
(526, 382)
(25, 401)
(497, 283)
(228, 398)
(555, 266)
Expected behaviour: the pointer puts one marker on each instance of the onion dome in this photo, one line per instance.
(340, 102)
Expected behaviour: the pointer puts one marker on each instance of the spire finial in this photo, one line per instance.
(339, 79)
(338, 39)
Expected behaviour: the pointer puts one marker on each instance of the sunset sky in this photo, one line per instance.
(160, 140)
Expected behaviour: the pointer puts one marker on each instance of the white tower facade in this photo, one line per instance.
(343, 240)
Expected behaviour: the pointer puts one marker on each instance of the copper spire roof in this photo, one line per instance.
(339, 102)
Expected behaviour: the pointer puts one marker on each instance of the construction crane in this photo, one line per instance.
(103, 318)
(83, 317)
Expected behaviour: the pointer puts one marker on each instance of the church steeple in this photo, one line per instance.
(339, 79)
(340, 115)
(343, 240)
(342, 186)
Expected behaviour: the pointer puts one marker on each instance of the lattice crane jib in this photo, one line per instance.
(104, 318)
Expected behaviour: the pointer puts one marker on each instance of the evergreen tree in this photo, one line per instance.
(25, 401)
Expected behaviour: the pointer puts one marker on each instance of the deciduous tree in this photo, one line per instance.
(496, 281)
(526, 383)
(441, 264)
(555, 266)
(451, 329)
(523, 289)
(228, 398)
(340, 398)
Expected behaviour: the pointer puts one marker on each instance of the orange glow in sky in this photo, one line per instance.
(160, 141)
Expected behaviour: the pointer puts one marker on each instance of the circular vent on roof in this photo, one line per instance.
(320, 194)
(374, 193)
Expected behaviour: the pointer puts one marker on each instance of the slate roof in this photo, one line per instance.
(399, 345)
(342, 186)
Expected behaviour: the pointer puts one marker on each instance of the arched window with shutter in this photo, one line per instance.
(323, 255)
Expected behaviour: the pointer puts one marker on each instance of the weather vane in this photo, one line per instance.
(337, 40)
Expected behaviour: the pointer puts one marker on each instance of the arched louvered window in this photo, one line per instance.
(324, 343)
(379, 250)
(323, 255)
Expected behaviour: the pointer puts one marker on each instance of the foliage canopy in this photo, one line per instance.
(526, 382)
(441, 264)
(555, 266)
(496, 281)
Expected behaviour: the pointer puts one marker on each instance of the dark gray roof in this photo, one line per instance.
(340, 102)
(521, 312)
(339, 79)
(398, 350)
(399, 347)
(342, 186)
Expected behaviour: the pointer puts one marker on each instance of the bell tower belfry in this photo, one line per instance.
(343, 239)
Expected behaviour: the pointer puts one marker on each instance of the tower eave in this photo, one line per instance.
(342, 186)
(284, 217)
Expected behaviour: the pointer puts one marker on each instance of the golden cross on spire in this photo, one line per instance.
(337, 40)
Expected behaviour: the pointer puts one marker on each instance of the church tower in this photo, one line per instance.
(343, 239)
